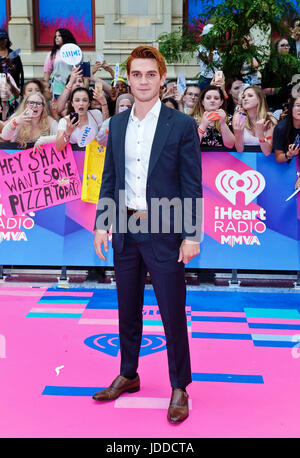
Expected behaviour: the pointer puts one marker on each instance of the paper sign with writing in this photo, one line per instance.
(181, 83)
(34, 180)
(117, 70)
(71, 54)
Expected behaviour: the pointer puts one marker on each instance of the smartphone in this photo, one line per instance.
(73, 115)
(213, 115)
(100, 58)
(172, 86)
(219, 75)
(86, 69)
(242, 117)
(29, 112)
(2, 79)
(98, 87)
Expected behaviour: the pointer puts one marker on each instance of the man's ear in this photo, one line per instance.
(163, 79)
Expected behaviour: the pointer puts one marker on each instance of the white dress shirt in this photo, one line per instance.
(138, 144)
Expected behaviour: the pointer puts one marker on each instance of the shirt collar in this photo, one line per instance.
(155, 110)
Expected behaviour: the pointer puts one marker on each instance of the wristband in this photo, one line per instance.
(262, 141)
(66, 137)
(287, 157)
(202, 132)
(14, 123)
(68, 88)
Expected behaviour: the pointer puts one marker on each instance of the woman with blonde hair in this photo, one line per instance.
(211, 117)
(31, 123)
(253, 125)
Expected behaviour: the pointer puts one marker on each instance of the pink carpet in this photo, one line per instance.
(58, 347)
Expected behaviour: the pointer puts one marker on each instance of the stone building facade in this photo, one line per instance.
(120, 26)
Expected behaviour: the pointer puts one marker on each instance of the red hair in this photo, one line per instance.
(147, 52)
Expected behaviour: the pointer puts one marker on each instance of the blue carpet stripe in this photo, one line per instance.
(62, 300)
(225, 307)
(228, 378)
(220, 335)
(269, 343)
(284, 314)
(158, 322)
(71, 390)
(221, 319)
(273, 326)
(274, 337)
(66, 297)
(236, 301)
(99, 305)
(53, 315)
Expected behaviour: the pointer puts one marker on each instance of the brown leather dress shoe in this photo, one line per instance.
(119, 385)
(179, 406)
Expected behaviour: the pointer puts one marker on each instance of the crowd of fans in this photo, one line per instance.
(255, 108)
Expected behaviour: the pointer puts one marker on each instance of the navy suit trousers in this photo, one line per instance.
(168, 280)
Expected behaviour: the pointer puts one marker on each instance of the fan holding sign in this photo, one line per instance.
(58, 63)
(82, 124)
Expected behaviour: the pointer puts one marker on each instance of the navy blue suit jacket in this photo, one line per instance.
(174, 172)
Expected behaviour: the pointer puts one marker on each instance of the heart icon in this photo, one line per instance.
(250, 182)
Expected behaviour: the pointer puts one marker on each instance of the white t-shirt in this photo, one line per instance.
(103, 132)
(250, 139)
(204, 69)
(6, 132)
(86, 134)
(298, 49)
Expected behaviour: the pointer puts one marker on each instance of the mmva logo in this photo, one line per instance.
(250, 182)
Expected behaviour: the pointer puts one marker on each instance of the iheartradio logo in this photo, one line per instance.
(250, 182)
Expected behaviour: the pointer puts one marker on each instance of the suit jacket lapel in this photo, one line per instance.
(161, 134)
(120, 135)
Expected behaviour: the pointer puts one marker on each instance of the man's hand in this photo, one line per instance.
(101, 237)
(188, 250)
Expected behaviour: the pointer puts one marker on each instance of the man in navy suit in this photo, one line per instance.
(152, 156)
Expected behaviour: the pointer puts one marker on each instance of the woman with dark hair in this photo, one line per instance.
(55, 70)
(211, 117)
(278, 72)
(170, 102)
(124, 102)
(9, 94)
(81, 125)
(10, 61)
(233, 88)
(286, 138)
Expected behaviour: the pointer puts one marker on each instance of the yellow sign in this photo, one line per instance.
(92, 173)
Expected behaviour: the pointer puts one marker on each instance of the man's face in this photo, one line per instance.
(191, 96)
(145, 80)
